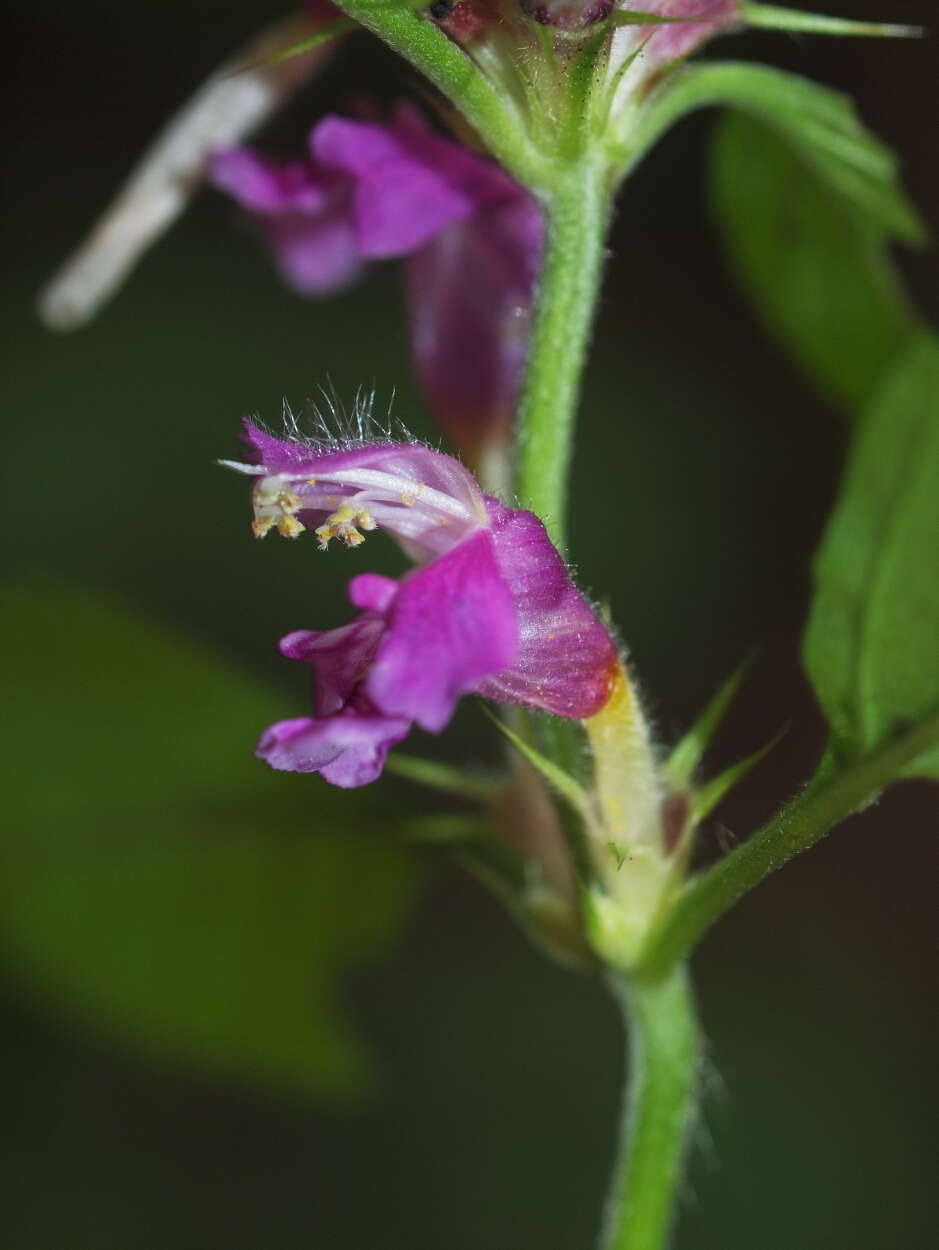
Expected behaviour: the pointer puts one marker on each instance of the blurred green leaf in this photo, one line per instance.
(808, 199)
(161, 884)
(821, 124)
(871, 647)
(814, 263)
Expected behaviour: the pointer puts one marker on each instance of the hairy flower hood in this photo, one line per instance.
(489, 606)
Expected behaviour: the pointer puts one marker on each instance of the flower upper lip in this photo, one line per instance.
(426, 500)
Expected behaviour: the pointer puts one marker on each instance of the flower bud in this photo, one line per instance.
(567, 15)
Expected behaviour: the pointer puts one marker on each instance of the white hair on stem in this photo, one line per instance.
(234, 100)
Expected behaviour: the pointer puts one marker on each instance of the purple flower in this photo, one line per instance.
(476, 21)
(570, 15)
(371, 191)
(489, 606)
(655, 48)
(638, 52)
(678, 39)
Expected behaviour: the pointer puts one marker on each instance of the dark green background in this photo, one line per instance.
(704, 472)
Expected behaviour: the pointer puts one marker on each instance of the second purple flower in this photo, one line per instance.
(471, 238)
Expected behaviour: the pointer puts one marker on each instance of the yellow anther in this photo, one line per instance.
(342, 524)
(410, 498)
(311, 481)
(275, 504)
(289, 526)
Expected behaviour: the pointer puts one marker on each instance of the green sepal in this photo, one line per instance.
(463, 784)
(712, 792)
(629, 17)
(440, 829)
(332, 30)
(773, 17)
(688, 753)
(626, 65)
(546, 917)
(557, 778)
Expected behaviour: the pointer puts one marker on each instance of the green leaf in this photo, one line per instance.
(808, 200)
(871, 647)
(715, 789)
(160, 884)
(814, 264)
(820, 124)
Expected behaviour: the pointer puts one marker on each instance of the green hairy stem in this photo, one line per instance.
(576, 217)
(408, 32)
(658, 1112)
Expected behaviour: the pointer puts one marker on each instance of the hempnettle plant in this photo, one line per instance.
(497, 195)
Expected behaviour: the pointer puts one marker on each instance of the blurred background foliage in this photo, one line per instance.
(224, 1020)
